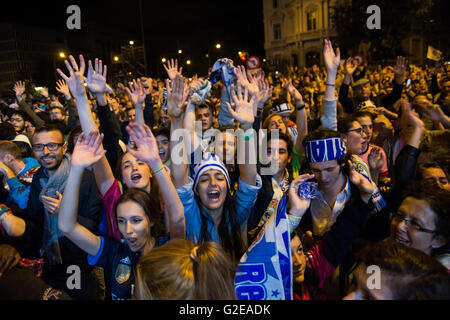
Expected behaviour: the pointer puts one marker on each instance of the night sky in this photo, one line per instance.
(194, 26)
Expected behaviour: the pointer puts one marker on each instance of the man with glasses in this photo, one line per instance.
(17, 120)
(41, 215)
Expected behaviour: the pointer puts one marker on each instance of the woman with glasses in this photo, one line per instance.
(423, 222)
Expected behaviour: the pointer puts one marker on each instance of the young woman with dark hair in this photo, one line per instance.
(136, 213)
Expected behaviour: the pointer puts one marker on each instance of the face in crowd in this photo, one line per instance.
(361, 290)
(49, 149)
(135, 173)
(131, 115)
(205, 116)
(56, 114)
(164, 119)
(367, 125)
(298, 260)
(436, 176)
(355, 139)
(276, 122)
(212, 189)
(277, 152)
(163, 147)
(134, 225)
(327, 173)
(225, 147)
(362, 92)
(414, 225)
(17, 122)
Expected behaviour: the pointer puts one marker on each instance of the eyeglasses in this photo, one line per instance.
(52, 146)
(16, 119)
(397, 217)
(358, 131)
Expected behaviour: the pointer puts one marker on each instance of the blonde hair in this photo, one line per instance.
(180, 270)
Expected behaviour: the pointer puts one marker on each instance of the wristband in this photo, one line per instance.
(250, 135)
(300, 107)
(3, 209)
(329, 84)
(156, 171)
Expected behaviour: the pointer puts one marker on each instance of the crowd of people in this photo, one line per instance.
(172, 188)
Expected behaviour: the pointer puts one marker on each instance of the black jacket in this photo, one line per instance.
(89, 215)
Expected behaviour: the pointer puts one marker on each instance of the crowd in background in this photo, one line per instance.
(91, 178)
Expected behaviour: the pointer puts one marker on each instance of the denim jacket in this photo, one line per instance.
(244, 199)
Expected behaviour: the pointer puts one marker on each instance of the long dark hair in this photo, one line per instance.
(148, 204)
(228, 228)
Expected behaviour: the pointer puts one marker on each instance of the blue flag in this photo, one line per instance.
(265, 271)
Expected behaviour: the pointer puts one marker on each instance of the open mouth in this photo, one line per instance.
(136, 177)
(214, 195)
(132, 241)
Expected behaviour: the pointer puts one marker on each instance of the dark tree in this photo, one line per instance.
(399, 19)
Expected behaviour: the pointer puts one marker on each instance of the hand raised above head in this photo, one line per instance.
(75, 80)
(172, 69)
(87, 150)
(96, 78)
(136, 92)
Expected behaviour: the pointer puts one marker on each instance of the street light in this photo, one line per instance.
(116, 58)
(131, 42)
(218, 46)
(188, 62)
(180, 51)
(163, 60)
(62, 55)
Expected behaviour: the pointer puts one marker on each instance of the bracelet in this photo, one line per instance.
(329, 84)
(250, 135)
(300, 107)
(156, 171)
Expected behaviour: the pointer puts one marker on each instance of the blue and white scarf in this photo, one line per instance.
(265, 271)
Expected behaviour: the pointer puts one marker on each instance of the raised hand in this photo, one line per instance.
(409, 117)
(332, 60)
(298, 206)
(292, 90)
(62, 87)
(264, 94)
(433, 112)
(136, 92)
(19, 89)
(350, 66)
(146, 146)
(376, 159)
(365, 186)
(175, 96)
(75, 79)
(96, 78)
(87, 150)
(248, 83)
(172, 69)
(400, 69)
(44, 92)
(245, 107)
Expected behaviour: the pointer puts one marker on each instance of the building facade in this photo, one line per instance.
(294, 31)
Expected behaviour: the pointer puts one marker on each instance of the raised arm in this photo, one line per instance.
(301, 119)
(147, 151)
(329, 115)
(86, 152)
(96, 82)
(19, 89)
(244, 112)
(178, 141)
(137, 96)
